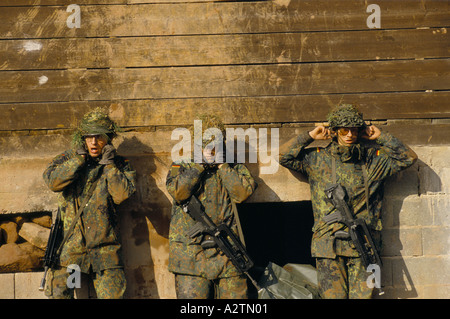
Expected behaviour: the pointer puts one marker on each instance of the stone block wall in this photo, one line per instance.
(415, 218)
(416, 233)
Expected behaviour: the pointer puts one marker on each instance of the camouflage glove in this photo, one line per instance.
(108, 154)
(82, 151)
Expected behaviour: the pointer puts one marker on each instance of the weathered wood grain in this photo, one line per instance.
(222, 81)
(420, 133)
(250, 62)
(217, 18)
(16, 3)
(224, 49)
(258, 110)
(6, 3)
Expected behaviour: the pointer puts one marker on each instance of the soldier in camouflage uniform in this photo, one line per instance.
(94, 245)
(356, 149)
(202, 273)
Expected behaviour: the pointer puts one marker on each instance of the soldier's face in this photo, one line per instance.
(209, 154)
(95, 144)
(347, 135)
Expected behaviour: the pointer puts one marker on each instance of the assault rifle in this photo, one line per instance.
(220, 236)
(357, 228)
(51, 256)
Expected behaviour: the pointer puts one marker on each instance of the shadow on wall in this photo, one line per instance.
(149, 205)
(399, 210)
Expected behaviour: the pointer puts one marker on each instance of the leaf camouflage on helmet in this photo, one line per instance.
(209, 121)
(345, 115)
(96, 122)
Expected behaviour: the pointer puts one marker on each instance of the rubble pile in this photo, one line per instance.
(22, 241)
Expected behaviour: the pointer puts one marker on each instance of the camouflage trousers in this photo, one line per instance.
(108, 284)
(196, 287)
(343, 278)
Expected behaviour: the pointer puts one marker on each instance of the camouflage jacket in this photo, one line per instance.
(215, 189)
(95, 241)
(382, 158)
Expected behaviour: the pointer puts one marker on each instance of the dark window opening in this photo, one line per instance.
(279, 232)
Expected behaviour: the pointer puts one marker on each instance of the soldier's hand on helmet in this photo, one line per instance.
(371, 133)
(108, 154)
(320, 133)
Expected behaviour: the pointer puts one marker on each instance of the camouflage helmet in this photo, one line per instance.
(345, 115)
(211, 121)
(96, 122)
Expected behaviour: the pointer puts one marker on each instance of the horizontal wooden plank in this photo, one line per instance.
(257, 110)
(420, 133)
(156, 146)
(178, 1)
(15, 3)
(223, 81)
(217, 18)
(412, 134)
(223, 49)
(29, 3)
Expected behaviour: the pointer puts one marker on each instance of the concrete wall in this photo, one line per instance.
(416, 220)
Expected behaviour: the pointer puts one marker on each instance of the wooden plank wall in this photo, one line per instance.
(253, 62)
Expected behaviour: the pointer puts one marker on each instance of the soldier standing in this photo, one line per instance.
(202, 273)
(92, 241)
(360, 158)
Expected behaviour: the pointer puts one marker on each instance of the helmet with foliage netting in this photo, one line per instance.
(96, 122)
(345, 115)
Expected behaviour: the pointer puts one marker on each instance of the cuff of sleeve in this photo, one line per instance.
(80, 160)
(223, 168)
(224, 165)
(196, 167)
(305, 138)
(384, 138)
(110, 166)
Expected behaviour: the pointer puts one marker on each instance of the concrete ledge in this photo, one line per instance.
(23, 285)
(27, 285)
(7, 286)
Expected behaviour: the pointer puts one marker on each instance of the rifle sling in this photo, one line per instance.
(79, 211)
(238, 223)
